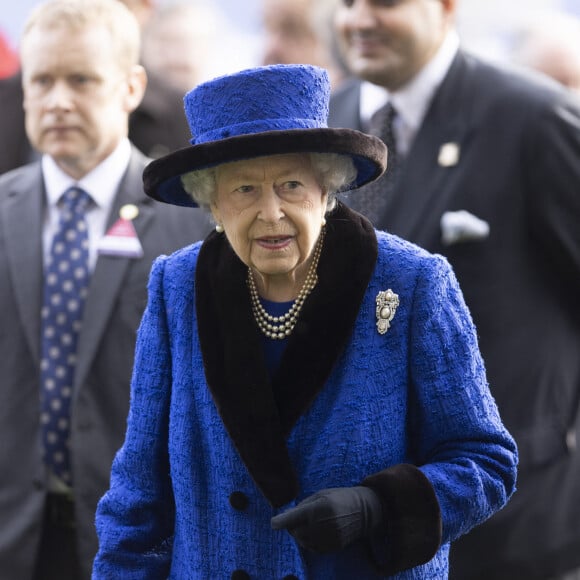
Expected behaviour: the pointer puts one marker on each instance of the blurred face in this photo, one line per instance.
(271, 209)
(77, 98)
(176, 44)
(557, 61)
(288, 35)
(387, 42)
(175, 52)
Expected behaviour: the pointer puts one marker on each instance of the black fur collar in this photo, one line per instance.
(257, 422)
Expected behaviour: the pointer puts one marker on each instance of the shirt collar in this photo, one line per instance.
(101, 183)
(413, 99)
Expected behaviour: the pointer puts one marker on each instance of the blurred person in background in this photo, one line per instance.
(77, 239)
(301, 32)
(158, 125)
(178, 43)
(484, 168)
(551, 45)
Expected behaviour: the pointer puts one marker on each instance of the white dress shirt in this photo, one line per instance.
(101, 184)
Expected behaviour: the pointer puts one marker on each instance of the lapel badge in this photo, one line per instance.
(449, 154)
(387, 302)
(121, 238)
(129, 212)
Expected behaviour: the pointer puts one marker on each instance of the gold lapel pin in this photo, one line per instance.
(129, 212)
(449, 154)
(387, 302)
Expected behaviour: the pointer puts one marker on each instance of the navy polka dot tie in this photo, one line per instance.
(65, 290)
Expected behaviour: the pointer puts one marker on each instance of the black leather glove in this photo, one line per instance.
(333, 518)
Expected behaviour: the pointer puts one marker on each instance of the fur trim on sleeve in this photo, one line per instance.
(412, 518)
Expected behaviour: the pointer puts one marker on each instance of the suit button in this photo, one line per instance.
(240, 575)
(239, 501)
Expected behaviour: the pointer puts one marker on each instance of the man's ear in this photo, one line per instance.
(136, 85)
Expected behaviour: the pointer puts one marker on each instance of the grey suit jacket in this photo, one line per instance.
(114, 306)
(505, 149)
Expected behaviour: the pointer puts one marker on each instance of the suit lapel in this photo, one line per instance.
(21, 221)
(345, 106)
(110, 271)
(421, 187)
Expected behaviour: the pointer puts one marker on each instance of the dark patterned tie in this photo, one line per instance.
(65, 290)
(371, 200)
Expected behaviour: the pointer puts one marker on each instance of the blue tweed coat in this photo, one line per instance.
(214, 448)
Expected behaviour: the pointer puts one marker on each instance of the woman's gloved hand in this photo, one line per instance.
(333, 518)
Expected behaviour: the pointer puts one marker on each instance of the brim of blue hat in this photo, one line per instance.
(162, 177)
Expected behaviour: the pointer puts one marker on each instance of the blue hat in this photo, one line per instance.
(267, 110)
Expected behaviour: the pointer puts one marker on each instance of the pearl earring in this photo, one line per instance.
(323, 223)
(219, 228)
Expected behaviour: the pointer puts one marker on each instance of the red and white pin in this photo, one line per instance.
(121, 239)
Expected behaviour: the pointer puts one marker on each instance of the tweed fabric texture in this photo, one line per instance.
(270, 98)
(415, 395)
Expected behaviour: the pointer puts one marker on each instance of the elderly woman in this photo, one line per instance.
(308, 398)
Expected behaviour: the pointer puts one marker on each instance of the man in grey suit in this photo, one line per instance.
(81, 82)
(487, 173)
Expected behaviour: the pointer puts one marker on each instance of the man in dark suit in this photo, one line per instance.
(81, 82)
(486, 171)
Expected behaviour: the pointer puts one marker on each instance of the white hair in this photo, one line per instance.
(335, 174)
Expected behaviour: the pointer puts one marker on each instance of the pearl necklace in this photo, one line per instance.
(279, 327)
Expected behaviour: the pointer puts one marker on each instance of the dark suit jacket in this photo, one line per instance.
(519, 170)
(15, 148)
(113, 310)
(157, 127)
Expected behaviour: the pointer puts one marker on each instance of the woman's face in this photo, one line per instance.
(271, 209)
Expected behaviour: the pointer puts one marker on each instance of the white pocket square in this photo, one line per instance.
(462, 226)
